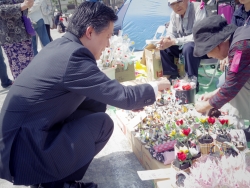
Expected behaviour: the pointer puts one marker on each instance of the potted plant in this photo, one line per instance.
(206, 141)
(183, 160)
(222, 135)
(183, 134)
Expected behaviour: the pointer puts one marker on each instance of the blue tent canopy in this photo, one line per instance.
(140, 19)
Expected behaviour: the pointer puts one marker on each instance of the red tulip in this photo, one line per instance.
(176, 85)
(182, 156)
(211, 120)
(223, 121)
(186, 131)
(186, 87)
(179, 122)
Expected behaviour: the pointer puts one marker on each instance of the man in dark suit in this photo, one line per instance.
(53, 120)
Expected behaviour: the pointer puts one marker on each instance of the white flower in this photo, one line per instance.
(193, 151)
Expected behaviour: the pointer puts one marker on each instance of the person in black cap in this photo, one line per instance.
(214, 37)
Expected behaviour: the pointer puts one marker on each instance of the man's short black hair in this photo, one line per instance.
(93, 14)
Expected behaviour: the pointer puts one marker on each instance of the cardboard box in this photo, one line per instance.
(123, 123)
(180, 67)
(150, 163)
(153, 63)
(122, 75)
(137, 148)
(128, 126)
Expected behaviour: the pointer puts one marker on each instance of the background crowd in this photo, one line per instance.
(17, 18)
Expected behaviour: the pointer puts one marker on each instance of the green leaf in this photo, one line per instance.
(167, 127)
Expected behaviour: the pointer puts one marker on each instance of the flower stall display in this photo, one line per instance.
(199, 148)
(158, 131)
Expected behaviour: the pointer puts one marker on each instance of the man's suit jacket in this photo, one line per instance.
(49, 90)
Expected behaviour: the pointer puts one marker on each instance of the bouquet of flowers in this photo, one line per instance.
(119, 52)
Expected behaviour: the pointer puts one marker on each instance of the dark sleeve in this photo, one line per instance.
(234, 81)
(92, 105)
(83, 77)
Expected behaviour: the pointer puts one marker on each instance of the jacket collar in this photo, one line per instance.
(72, 37)
(240, 12)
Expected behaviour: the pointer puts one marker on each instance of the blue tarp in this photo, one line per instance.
(140, 19)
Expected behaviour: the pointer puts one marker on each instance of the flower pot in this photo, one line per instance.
(220, 139)
(185, 96)
(177, 166)
(206, 139)
(205, 143)
(223, 138)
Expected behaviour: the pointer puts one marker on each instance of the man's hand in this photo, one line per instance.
(163, 84)
(27, 4)
(165, 43)
(202, 107)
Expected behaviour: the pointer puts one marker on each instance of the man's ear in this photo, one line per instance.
(89, 32)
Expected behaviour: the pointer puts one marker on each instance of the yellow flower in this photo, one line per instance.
(203, 120)
(184, 109)
(173, 133)
(182, 134)
(157, 116)
(184, 149)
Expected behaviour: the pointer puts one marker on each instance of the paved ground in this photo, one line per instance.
(114, 167)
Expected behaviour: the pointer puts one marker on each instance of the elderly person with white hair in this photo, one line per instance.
(179, 40)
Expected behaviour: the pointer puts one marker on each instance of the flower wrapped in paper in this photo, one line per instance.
(119, 52)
